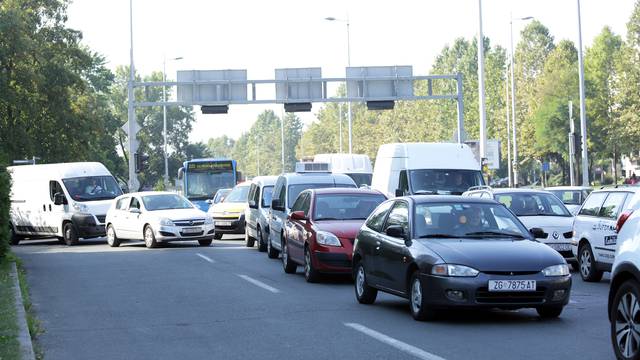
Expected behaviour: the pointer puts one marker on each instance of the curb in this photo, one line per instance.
(26, 346)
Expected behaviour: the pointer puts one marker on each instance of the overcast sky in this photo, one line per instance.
(261, 36)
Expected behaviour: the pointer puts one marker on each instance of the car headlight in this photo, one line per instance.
(556, 270)
(208, 220)
(327, 238)
(166, 222)
(80, 207)
(453, 270)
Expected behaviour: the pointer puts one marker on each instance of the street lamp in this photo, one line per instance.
(583, 116)
(513, 104)
(164, 118)
(346, 21)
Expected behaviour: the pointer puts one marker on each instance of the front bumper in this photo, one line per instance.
(476, 294)
(176, 233)
(87, 227)
(236, 225)
(332, 259)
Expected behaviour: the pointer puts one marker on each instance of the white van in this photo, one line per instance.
(425, 168)
(68, 200)
(356, 166)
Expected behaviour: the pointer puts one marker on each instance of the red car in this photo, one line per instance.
(321, 228)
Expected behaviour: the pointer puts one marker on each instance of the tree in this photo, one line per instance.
(221, 147)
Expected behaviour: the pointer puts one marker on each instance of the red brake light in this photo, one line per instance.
(622, 219)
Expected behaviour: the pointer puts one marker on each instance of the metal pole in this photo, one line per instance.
(133, 179)
(506, 87)
(572, 146)
(513, 113)
(257, 156)
(340, 122)
(164, 122)
(583, 112)
(483, 120)
(282, 133)
(460, 109)
(350, 125)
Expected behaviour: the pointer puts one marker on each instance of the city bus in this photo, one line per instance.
(200, 179)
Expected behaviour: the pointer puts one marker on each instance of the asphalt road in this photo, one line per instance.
(230, 302)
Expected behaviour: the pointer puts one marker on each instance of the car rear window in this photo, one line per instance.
(346, 206)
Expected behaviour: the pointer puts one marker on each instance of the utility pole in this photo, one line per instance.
(572, 146)
(131, 115)
(483, 120)
(583, 111)
(282, 134)
(506, 86)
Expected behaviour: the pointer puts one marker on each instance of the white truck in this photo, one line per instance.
(67, 201)
(356, 166)
(425, 168)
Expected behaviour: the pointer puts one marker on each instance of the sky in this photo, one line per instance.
(260, 36)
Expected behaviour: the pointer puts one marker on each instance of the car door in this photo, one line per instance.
(369, 240)
(277, 213)
(605, 236)
(54, 213)
(118, 216)
(296, 229)
(251, 215)
(393, 253)
(132, 225)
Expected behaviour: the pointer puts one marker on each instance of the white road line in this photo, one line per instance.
(409, 349)
(259, 283)
(206, 258)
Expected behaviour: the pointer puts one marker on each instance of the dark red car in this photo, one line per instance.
(321, 228)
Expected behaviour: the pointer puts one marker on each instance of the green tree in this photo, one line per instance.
(221, 147)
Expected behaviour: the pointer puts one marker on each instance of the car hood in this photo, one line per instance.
(340, 228)
(178, 214)
(555, 222)
(228, 207)
(495, 254)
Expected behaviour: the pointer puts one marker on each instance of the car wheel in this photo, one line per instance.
(206, 242)
(14, 239)
(271, 252)
(248, 240)
(310, 273)
(112, 239)
(588, 270)
(217, 236)
(262, 247)
(625, 318)
(287, 264)
(418, 304)
(70, 234)
(549, 312)
(365, 294)
(150, 237)
(574, 265)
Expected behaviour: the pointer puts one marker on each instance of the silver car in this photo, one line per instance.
(257, 213)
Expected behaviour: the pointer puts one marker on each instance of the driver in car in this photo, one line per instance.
(93, 188)
(470, 221)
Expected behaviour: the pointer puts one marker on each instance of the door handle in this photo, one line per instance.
(377, 245)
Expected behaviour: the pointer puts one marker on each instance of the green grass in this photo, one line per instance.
(9, 346)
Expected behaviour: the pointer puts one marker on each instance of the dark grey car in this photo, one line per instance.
(452, 252)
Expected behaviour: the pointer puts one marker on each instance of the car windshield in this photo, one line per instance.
(239, 194)
(471, 220)
(220, 194)
(533, 204)
(361, 179)
(571, 197)
(92, 188)
(165, 202)
(346, 206)
(267, 195)
(441, 181)
(295, 190)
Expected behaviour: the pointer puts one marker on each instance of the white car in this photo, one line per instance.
(624, 292)
(594, 229)
(571, 196)
(157, 217)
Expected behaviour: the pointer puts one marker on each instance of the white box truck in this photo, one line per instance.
(356, 166)
(67, 201)
(425, 168)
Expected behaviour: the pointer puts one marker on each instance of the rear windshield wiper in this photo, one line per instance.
(495, 233)
(446, 236)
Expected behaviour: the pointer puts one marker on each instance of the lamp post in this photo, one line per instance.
(513, 104)
(481, 102)
(506, 88)
(164, 118)
(133, 179)
(583, 115)
(349, 119)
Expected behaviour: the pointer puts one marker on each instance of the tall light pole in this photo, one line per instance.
(506, 88)
(349, 119)
(282, 134)
(164, 118)
(340, 123)
(133, 179)
(483, 120)
(513, 105)
(583, 112)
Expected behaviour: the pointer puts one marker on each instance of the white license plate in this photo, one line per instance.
(512, 285)
(223, 223)
(560, 247)
(191, 230)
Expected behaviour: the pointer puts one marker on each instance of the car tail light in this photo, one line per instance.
(622, 219)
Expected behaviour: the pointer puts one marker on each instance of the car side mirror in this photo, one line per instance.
(253, 204)
(209, 201)
(298, 215)
(399, 192)
(135, 211)
(538, 233)
(59, 199)
(396, 231)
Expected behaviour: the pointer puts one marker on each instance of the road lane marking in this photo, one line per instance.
(259, 283)
(206, 258)
(404, 347)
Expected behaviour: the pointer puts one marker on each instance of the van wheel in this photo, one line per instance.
(588, 270)
(14, 239)
(112, 239)
(248, 240)
(217, 236)
(206, 242)
(262, 246)
(70, 234)
(271, 252)
(150, 237)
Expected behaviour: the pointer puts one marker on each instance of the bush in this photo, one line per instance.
(5, 188)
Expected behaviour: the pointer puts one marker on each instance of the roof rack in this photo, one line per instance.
(313, 167)
(480, 187)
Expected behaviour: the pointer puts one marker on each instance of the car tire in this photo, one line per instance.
(149, 238)
(206, 242)
(287, 264)
(365, 294)
(626, 298)
(70, 234)
(217, 236)
(112, 239)
(262, 246)
(549, 312)
(271, 252)
(420, 310)
(574, 265)
(587, 265)
(310, 273)
(14, 239)
(248, 240)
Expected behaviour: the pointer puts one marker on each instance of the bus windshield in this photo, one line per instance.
(205, 178)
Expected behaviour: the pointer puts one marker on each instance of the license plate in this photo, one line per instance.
(191, 230)
(223, 223)
(610, 240)
(560, 247)
(512, 285)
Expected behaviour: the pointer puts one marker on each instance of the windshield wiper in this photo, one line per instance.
(446, 236)
(327, 218)
(495, 233)
(425, 192)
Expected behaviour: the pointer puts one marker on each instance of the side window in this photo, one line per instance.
(306, 204)
(54, 187)
(277, 189)
(591, 206)
(122, 203)
(399, 216)
(627, 202)
(376, 220)
(403, 182)
(298, 205)
(134, 203)
(251, 193)
(612, 205)
(282, 196)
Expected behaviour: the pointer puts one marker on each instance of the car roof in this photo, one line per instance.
(147, 193)
(519, 190)
(618, 188)
(423, 199)
(317, 178)
(344, 191)
(265, 180)
(568, 188)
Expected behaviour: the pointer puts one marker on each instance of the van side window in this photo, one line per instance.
(591, 206)
(278, 189)
(54, 187)
(298, 205)
(134, 203)
(252, 193)
(282, 195)
(403, 183)
(612, 204)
